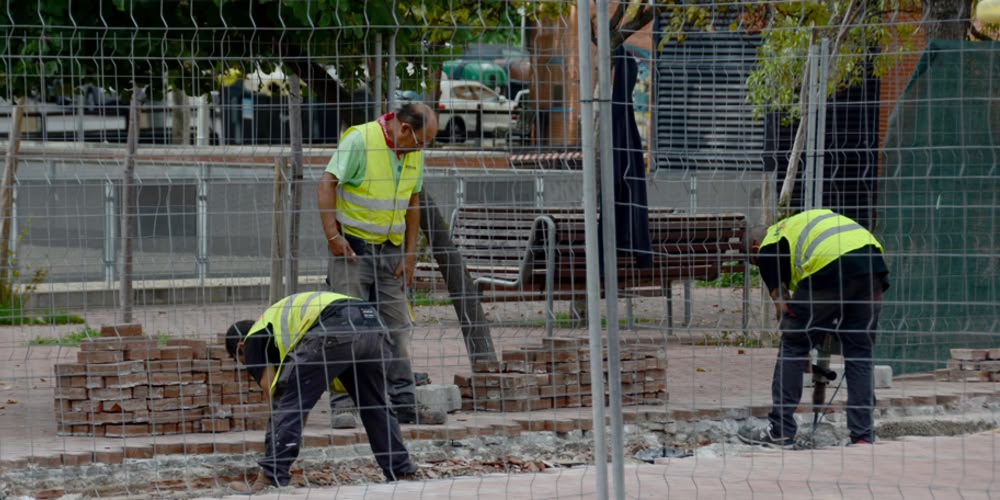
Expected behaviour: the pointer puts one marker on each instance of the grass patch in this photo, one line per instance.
(70, 339)
(731, 280)
(425, 299)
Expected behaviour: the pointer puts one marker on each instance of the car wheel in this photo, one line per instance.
(455, 131)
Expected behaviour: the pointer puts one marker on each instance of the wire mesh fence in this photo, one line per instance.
(586, 316)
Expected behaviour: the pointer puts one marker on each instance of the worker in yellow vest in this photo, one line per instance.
(826, 275)
(369, 206)
(295, 350)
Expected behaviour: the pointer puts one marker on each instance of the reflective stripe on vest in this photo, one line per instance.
(375, 209)
(817, 238)
(290, 318)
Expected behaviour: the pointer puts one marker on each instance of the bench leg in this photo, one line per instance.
(687, 304)
(629, 317)
(669, 294)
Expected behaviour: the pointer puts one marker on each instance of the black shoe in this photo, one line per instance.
(763, 437)
(421, 416)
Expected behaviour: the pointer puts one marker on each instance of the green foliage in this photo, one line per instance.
(426, 299)
(857, 34)
(732, 280)
(70, 339)
(122, 44)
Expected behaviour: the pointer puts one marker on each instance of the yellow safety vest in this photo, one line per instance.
(290, 318)
(375, 209)
(816, 238)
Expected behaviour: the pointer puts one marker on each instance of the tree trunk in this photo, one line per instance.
(7, 201)
(946, 19)
(465, 296)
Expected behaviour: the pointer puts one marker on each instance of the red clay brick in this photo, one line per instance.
(168, 449)
(218, 352)
(116, 369)
(215, 425)
(142, 354)
(124, 430)
(49, 493)
(76, 459)
(122, 330)
(139, 452)
(486, 366)
(126, 381)
(146, 392)
(89, 357)
(70, 393)
(127, 405)
(109, 394)
(176, 352)
(111, 457)
(170, 366)
(70, 369)
(199, 348)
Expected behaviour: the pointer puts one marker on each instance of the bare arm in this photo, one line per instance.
(266, 379)
(326, 194)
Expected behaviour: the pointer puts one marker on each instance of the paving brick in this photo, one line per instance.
(76, 459)
(122, 330)
(109, 394)
(49, 493)
(70, 393)
(199, 348)
(342, 439)
(176, 352)
(111, 457)
(116, 369)
(89, 357)
(970, 354)
(171, 366)
(70, 369)
(128, 405)
(143, 353)
(168, 448)
(125, 430)
(125, 381)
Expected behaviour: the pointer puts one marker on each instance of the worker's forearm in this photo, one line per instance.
(326, 195)
(266, 379)
(412, 226)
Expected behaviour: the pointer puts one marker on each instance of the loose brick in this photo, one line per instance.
(70, 393)
(49, 493)
(124, 430)
(206, 365)
(486, 366)
(142, 354)
(199, 348)
(970, 354)
(123, 330)
(90, 357)
(215, 425)
(115, 369)
(462, 380)
(127, 405)
(126, 381)
(147, 392)
(70, 369)
(170, 366)
(115, 344)
(109, 394)
(111, 457)
(176, 352)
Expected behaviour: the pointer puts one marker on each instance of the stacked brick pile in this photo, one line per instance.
(125, 384)
(556, 374)
(971, 365)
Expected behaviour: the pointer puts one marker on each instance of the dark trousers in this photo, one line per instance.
(851, 313)
(359, 360)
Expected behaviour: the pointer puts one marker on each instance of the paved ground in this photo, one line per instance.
(709, 385)
(912, 468)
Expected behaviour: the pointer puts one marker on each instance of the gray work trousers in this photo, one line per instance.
(371, 278)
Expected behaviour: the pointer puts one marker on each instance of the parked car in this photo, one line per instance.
(468, 106)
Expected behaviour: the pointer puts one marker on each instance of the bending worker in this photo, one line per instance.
(826, 275)
(295, 350)
(368, 201)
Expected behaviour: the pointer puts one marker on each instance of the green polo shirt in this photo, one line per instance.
(348, 162)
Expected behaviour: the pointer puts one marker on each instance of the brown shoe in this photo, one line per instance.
(261, 483)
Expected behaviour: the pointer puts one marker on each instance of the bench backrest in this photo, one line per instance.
(498, 242)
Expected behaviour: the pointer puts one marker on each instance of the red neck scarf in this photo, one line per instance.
(383, 121)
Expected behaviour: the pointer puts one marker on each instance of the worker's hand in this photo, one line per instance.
(339, 247)
(407, 266)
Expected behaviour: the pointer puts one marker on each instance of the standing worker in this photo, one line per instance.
(369, 206)
(826, 275)
(295, 351)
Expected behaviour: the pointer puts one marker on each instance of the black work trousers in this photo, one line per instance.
(358, 359)
(849, 312)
